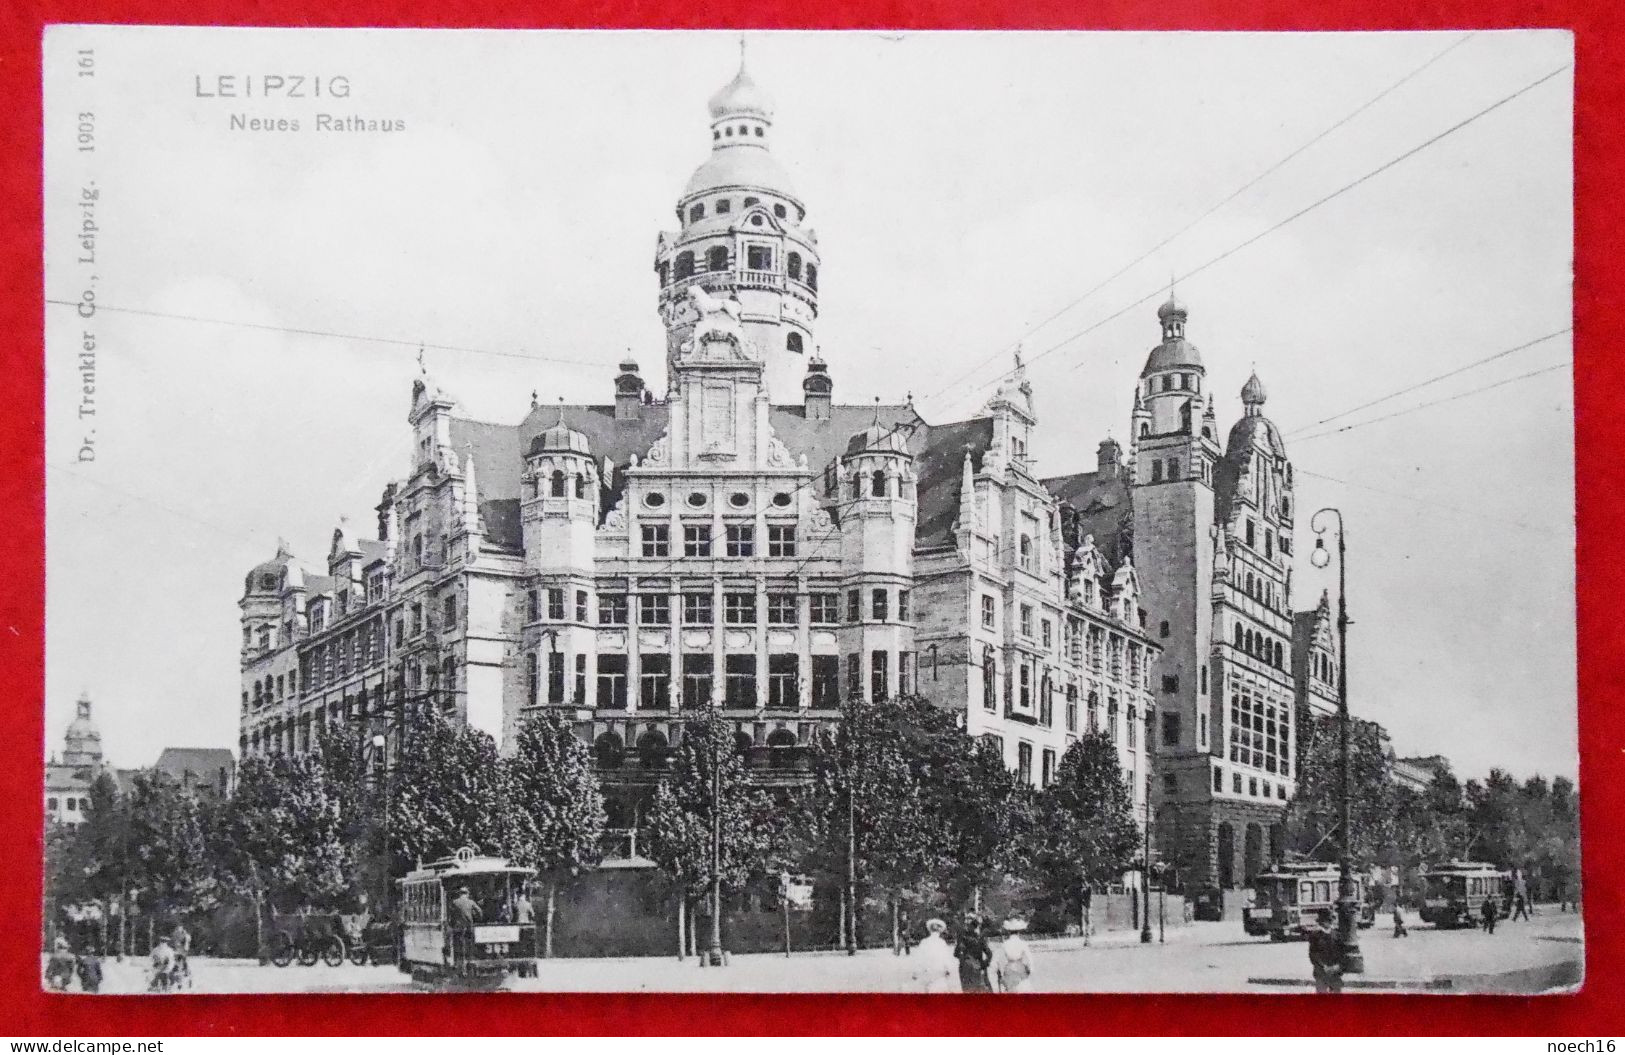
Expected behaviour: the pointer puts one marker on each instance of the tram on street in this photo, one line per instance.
(1455, 892)
(1289, 896)
(437, 947)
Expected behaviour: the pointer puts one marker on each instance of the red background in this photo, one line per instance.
(1600, 276)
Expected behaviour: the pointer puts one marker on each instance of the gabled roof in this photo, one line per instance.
(198, 761)
(1100, 501)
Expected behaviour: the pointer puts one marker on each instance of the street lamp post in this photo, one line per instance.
(1145, 860)
(1347, 906)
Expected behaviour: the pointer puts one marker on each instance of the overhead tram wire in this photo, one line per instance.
(1216, 206)
(1424, 501)
(304, 332)
(1440, 377)
(1278, 225)
(1436, 402)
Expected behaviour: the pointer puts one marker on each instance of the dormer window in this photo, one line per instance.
(759, 257)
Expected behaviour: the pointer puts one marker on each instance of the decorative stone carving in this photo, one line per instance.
(778, 455)
(718, 318)
(661, 451)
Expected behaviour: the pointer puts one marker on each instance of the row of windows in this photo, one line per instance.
(739, 540)
(1251, 533)
(739, 608)
(697, 679)
(1260, 646)
(1174, 382)
(1260, 734)
(724, 206)
(757, 258)
(1253, 786)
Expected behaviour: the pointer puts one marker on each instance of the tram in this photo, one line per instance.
(1289, 897)
(1456, 892)
(435, 947)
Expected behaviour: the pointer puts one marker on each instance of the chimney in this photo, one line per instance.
(1110, 457)
(817, 387)
(629, 392)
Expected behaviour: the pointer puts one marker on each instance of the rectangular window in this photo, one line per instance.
(854, 607)
(555, 604)
(417, 619)
(1026, 679)
(698, 668)
(1170, 784)
(879, 683)
(739, 609)
(740, 688)
(1170, 683)
(988, 609)
(854, 676)
(581, 606)
(654, 681)
(1024, 762)
(697, 610)
(783, 673)
(1201, 725)
(1251, 533)
(448, 611)
(741, 540)
(781, 609)
(825, 608)
(533, 606)
(1048, 772)
(781, 540)
(696, 540)
(905, 673)
(1170, 729)
(1133, 727)
(555, 677)
(1218, 779)
(878, 606)
(654, 609)
(657, 540)
(1045, 627)
(612, 681)
(1046, 706)
(826, 681)
(1027, 620)
(533, 679)
(1072, 712)
(612, 609)
(759, 258)
(581, 681)
(902, 606)
(1235, 783)
(1203, 680)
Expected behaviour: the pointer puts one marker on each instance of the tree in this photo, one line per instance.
(681, 814)
(1314, 816)
(1084, 835)
(557, 796)
(167, 859)
(449, 790)
(281, 836)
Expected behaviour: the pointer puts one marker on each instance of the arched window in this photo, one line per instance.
(794, 266)
(792, 343)
(581, 486)
(1252, 585)
(685, 264)
(716, 258)
(696, 212)
(1280, 656)
(664, 270)
(812, 275)
(1026, 551)
(782, 738)
(558, 483)
(1145, 428)
(878, 485)
(608, 750)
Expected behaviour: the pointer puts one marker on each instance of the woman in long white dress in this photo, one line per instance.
(935, 969)
(1013, 965)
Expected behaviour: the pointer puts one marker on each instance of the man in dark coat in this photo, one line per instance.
(1489, 915)
(974, 955)
(1326, 954)
(465, 912)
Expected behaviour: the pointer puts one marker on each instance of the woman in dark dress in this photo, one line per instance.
(974, 955)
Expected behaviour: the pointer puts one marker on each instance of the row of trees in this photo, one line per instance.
(1533, 826)
(938, 820)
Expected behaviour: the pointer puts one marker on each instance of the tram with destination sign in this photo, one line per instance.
(1288, 898)
(461, 920)
(1455, 893)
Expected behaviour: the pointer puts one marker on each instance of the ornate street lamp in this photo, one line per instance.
(1347, 902)
(715, 953)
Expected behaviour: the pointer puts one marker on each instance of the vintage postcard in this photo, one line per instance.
(903, 512)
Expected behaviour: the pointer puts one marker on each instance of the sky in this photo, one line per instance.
(971, 191)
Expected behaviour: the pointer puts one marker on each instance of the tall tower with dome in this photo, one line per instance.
(742, 234)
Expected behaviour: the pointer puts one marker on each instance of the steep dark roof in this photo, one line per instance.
(372, 551)
(1226, 473)
(939, 469)
(201, 763)
(1100, 503)
(501, 516)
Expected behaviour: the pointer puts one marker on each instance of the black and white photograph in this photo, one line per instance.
(917, 512)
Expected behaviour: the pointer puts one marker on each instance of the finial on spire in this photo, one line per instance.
(1018, 356)
(561, 412)
(877, 410)
(533, 399)
(423, 367)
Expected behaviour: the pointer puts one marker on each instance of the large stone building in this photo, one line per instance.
(742, 540)
(69, 776)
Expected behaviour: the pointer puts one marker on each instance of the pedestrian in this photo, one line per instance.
(1489, 914)
(1326, 954)
(1520, 905)
(60, 967)
(974, 956)
(90, 970)
(1014, 964)
(934, 969)
(1399, 921)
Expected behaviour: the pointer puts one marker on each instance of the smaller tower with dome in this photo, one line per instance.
(82, 746)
